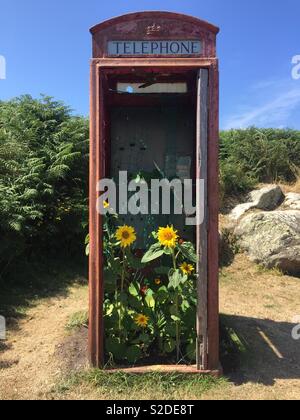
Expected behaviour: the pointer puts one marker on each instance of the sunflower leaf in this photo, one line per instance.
(168, 251)
(154, 252)
(133, 353)
(176, 278)
(188, 250)
(134, 289)
(114, 346)
(149, 299)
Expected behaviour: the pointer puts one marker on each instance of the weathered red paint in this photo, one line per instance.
(131, 27)
(172, 26)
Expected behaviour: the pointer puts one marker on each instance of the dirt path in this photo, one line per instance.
(29, 367)
(262, 307)
(259, 305)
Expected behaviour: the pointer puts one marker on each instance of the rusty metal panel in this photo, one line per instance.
(202, 235)
(155, 26)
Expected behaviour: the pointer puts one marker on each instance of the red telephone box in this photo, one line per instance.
(172, 57)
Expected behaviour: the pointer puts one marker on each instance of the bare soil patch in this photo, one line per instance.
(29, 367)
(72, 352)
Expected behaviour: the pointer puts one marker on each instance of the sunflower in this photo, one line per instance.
(105, 204)
(141, 321)
(157, 282)
(187, 268)
(126, 234)
(168, 236)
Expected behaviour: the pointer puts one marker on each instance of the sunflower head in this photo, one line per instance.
(167, 236)
(141, 321)
(105, 204)
(187, 268)
(157, 281)
(126, 235)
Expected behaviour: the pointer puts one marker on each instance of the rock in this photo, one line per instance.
(292, 200)
(272, 239)
(227, 246)
(240, 210)
(267, 198)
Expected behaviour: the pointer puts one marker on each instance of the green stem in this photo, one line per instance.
(177, 311)
(177, 330)
(174, 259)
(123, 271)
(122, 289)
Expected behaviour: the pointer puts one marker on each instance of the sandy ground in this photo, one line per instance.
(259, 305)
(262, 307)
(29, 367)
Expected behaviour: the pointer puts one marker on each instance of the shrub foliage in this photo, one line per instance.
(43, 179)
(250, 156)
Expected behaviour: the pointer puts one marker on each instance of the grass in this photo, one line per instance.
(152, 386)
(276, 272)
(77, 320)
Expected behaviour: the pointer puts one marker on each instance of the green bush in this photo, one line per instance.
(250, 156)
(43, 180)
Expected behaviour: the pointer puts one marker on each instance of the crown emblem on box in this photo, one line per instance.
(153, 29)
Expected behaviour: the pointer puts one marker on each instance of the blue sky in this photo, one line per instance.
(47, 46)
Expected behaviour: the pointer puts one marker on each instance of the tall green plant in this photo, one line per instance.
(43, 179)
(254, 155)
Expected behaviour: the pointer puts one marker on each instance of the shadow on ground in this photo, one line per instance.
(266, 351)
(46, 279)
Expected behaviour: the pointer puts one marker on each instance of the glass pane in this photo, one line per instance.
(152, 87)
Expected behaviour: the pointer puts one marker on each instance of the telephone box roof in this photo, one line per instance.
(154, 15)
